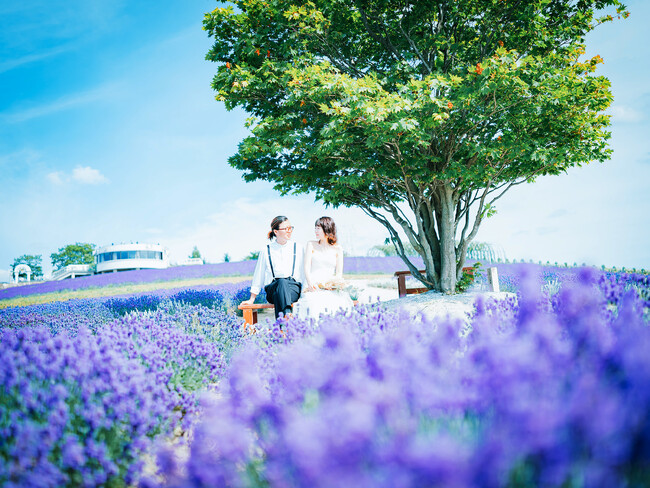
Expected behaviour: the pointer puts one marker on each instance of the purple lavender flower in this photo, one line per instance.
(84, 395)
(548, 388)
(536, 394)
(64, 421)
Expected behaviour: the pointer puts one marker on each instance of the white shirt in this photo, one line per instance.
(282, 257)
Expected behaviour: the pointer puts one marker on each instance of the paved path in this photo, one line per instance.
(438, 305)
(431, 304)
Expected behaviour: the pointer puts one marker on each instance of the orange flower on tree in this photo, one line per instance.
(479, 69)
(450, 105)
(304, 121)
(500, 43)
(257, 51)
(228, 64)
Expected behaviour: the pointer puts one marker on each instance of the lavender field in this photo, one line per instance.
(548, 388)
(353, 265)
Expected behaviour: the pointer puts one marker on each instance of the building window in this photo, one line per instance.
(110, 256)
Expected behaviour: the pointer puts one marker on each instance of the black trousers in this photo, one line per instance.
(282, 292)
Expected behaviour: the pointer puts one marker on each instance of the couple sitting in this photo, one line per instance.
(310, 277)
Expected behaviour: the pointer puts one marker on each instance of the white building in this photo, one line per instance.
(123, 257)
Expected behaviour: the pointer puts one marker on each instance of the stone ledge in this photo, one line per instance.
(434, 304)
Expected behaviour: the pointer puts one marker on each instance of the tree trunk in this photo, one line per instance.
(437, 249)
(447, 231)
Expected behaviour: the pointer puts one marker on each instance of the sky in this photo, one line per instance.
(110, 133)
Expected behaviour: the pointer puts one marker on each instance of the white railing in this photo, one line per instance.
(72, 270)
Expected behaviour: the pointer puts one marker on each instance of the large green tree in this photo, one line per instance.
(33, 261)
(421, 113)
(78, 253)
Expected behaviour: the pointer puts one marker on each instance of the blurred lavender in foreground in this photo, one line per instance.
(75, 411)
(548, 390)
(82, 396)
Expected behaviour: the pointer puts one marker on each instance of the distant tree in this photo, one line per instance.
(78, 253)
(226, 258)
(475, 251)
(389, 249)
(420, 113)
(484, 251)
(252, 256)
(33, 261)
(195, 253)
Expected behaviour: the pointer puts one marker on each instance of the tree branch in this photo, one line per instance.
(415, 48)
(394, 236)
(385, 42)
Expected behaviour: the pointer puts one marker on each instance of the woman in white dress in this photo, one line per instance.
(323, 273)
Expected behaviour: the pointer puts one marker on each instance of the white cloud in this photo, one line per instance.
(63, 103)
(559, 213)
(5, 276)
(56, 177)
(625, 114)
(547, 230)
(31, 58)
(88, 175)
(240, 227)
(84, 175)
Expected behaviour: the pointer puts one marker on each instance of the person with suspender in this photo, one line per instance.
(279, 268)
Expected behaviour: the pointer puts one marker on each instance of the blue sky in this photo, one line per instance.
(109, 132)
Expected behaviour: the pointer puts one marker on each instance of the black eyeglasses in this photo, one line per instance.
(288, 229)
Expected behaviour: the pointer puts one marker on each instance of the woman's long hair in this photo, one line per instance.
(275, 225)
(329, 229)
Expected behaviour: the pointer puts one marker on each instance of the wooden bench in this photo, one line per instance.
(401, 282)
(250, 310)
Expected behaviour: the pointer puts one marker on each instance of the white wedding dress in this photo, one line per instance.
(314, 303)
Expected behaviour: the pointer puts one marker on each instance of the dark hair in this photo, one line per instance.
(275, 225)
(329, 228)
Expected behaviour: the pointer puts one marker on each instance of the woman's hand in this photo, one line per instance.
(250, 300)
(333, 284)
